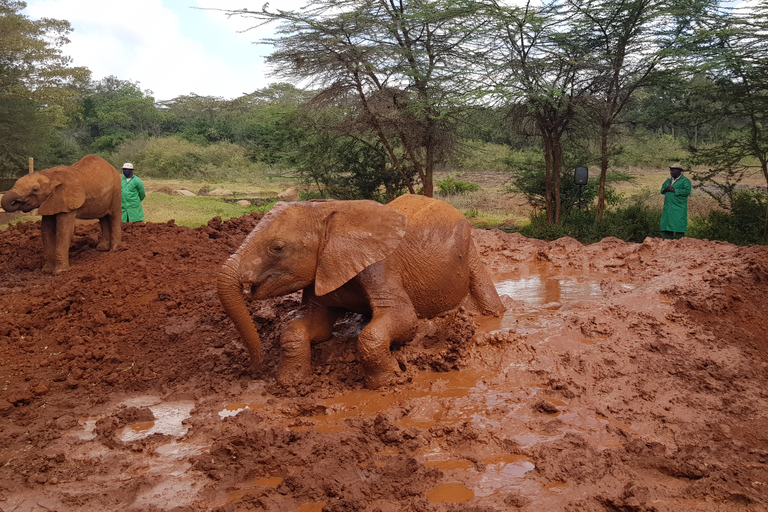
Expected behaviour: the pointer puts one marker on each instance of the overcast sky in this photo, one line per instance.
(167, 46)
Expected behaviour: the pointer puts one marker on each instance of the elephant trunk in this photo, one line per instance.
(10, 202)
(230, 291)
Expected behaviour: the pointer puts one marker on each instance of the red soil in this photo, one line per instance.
(123, 386)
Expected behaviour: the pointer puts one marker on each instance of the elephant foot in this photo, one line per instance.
(383, 379)
(292, 374)
(103, 246)
(48, 269)
(60, 270)
(385, 375)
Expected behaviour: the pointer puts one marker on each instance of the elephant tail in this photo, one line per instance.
(230, 291)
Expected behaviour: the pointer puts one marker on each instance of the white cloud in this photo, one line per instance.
(145, 41)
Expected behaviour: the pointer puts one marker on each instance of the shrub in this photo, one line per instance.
(174, 157)
(632, 223)
(451, 186)
(744, 225)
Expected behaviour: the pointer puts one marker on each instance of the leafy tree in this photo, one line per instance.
(113, 111)
(630, 42)
(37, 84)
(396, 67)
(342, 166)
(536, 67)
(732, 50)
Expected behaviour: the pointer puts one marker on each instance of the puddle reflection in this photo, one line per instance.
(168, 421)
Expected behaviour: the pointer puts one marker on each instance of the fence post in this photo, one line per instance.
(31, 165)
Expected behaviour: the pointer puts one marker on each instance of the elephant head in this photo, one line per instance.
(45, 191)
(297, 245)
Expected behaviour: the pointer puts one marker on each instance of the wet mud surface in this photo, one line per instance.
(623, 377)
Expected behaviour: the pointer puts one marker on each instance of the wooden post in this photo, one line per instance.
(31, 165)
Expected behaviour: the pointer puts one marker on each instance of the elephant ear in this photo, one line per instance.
(358, 234)
(65, 197)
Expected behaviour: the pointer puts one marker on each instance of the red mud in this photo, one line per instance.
(123, 386)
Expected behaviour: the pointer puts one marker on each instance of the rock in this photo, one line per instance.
(219, 192)
(5, 406)
(183, 192)
(244, 203)
(289, 194)
(164, 190)
(65, 422)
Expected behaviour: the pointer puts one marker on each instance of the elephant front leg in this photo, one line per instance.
(373, 345)
(48, 232)
(315, 324)
(65, 227)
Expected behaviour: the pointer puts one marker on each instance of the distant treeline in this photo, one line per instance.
(403, 90)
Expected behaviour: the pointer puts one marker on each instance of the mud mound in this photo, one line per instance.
(124, 386)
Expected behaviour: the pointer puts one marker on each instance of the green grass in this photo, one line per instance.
(192, 211)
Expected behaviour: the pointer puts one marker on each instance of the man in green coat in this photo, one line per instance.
(674, 217)
(133, 195)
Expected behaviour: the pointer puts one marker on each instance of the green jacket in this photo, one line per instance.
(133, 195)
(674, 217)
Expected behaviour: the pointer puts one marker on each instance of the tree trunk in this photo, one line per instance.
(547, 182)
(604, 128)
(557, 163)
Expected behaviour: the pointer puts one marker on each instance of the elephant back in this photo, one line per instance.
(433, 258)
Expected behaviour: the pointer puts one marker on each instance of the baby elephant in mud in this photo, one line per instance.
(413, 258)
(88, 189)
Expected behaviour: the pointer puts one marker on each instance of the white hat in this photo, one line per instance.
(128, 166)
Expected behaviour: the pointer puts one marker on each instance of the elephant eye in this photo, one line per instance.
(35, 190)
(277, 247)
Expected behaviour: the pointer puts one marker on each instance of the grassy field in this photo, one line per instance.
(491, 206)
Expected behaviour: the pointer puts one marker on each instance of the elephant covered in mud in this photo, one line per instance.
(88, 189)
(413, 258)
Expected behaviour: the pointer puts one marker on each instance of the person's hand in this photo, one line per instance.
(669, 188)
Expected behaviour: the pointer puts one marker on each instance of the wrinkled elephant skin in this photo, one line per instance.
(88, 189)
(413, 258)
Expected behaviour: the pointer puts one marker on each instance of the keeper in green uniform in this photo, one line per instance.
(674, 217)
(133, 195)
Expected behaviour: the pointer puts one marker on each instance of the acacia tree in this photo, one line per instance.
(37, 85)
(629, 40)
(394, 64)
(731, 48)
(536, 65)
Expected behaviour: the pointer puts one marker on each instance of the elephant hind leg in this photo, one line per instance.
(481, 288)
(105, 238)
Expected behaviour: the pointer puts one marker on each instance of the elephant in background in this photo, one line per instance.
(413, 258)
(88, 189)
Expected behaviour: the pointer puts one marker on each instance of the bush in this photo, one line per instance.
(649, 150)
(632, 224)
(744, 225)
(451, 186)
(475, 156)
(174, 157)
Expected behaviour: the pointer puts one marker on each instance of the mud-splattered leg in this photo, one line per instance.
(388, 324)
(65, 227)
(314, 324)
(48, 231)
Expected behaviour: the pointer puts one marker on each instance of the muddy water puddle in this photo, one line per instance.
(169, 417)
(543, 289)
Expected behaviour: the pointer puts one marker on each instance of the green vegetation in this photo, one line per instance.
(190, 211)
(492, 110)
